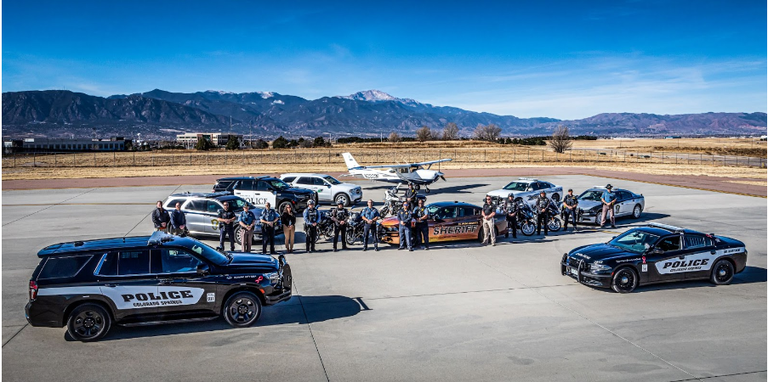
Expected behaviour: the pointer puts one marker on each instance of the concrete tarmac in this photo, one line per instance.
(457, 312)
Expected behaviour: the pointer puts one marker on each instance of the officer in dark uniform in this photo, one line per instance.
(370, 215)
(510, 210)
(410, 194)
(311, 219)
(227, 219)
(339, 217)
(542, 209)
(405, 217)
(268, 220)
(161, 218)
(570, 209)
(421, 230)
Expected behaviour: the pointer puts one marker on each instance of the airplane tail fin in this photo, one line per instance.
(350, 161)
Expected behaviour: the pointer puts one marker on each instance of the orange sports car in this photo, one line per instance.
(448, 221)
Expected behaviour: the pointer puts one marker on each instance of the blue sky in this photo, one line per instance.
(561, 59)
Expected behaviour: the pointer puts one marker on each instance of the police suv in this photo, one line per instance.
(266, 189)
(328, 188)
(654, 254)
(89, 285)
(201, 211)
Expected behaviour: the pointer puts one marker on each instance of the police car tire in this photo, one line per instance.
(632, 277)
(637, 211)
(84, 318)
(598, 217)
(342, 198)
(722, 272)
(242, 309)
(239, 234)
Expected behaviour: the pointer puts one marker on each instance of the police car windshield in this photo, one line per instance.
(279, 184)
(634, 241)
(516, 186)
(595, 195)
(209, 253)
(331, 180)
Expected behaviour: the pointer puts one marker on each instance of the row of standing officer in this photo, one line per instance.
(512, 211)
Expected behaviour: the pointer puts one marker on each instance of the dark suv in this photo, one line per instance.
(89, 285)
(266, 189)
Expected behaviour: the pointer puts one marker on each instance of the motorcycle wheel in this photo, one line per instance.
(554, 224)
(351, 237)
(327, 232)
(528, 228)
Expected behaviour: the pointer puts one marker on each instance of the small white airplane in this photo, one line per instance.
(412, 173)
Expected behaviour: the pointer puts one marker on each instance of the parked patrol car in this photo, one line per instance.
(90, 285)
(202, 210)
(654, 254)
(448, 221)
(528, 189)
(328, 188)
(266, 189)
(627, 204)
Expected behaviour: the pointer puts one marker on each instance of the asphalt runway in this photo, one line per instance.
(457, 312)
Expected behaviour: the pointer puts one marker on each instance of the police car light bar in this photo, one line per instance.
(524, 178)
(159, 237)
(667, 227)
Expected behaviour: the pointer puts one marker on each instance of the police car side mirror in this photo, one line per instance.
(202, 269)
(274, 192)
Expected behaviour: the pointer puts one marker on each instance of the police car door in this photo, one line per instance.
(623, 201)
(666, 258)
(199, 220)
(125, 279)
(444, 224)
(180, 286)
(700, 256)
(245, 190)
(262, 194)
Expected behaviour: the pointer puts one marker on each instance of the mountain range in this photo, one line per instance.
(161, 114)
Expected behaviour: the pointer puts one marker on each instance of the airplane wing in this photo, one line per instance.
(430, 162)
(410, 164)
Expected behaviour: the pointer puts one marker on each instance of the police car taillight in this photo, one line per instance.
(32, 290)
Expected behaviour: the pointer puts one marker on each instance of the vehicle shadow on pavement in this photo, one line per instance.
(749, 275)
(297, 310)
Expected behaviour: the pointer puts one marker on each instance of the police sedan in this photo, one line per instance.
(654, 254)
(448, 221)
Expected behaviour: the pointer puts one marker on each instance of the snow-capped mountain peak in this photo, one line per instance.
(374, 95)
(371, 95)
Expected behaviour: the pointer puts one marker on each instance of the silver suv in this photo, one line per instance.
(202, 210)
(328, 188)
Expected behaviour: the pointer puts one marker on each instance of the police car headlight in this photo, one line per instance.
(273, 277)
(599, 268)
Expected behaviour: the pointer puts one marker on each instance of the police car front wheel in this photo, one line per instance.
(624, 280)
(88, 322)
(242, 309)
(722, 272)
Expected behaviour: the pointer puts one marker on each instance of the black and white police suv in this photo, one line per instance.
(89, 285)
(654, 254)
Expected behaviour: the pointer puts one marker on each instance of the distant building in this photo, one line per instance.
(189, 140)
(52, 145)
(673, 137)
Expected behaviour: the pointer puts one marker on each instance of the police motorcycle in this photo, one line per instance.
(526, 217)
(325, 226)
(393, 202)
(555, 219)
(355, 225)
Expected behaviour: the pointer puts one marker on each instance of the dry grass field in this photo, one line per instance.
(679, 156)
